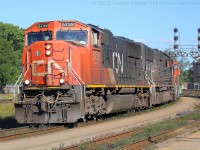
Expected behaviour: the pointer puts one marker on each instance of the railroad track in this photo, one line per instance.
(65, 139)
(22, 132)
(142, 143)
(160, 137)
(27, 131)
(191, 92)
(92, 144)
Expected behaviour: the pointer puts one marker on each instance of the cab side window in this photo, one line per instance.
(95, 38)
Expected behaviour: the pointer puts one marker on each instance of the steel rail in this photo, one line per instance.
(21, 132)
(140, 144)
(105, 140)
(160, 137)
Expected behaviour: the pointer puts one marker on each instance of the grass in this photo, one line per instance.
(6, 96)
(149, 130)
(154, 147)
(7, 110)
(7, 113)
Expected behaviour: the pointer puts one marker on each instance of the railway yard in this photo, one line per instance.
(105, 134)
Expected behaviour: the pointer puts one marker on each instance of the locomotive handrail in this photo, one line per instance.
(72, 69)
(18, 79)
(18, 83)
(27, 64)
(77, 76)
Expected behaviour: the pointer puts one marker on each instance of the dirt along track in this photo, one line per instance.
(191, 142)
(87, 133)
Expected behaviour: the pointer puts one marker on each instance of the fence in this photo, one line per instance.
(9, 92)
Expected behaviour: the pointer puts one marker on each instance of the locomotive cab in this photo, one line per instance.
(56, 63)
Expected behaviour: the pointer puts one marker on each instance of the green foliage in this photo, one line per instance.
(167, 52)
(186, 70)
(7, 110)
(186, 76)
(184, 64)
(11, 44)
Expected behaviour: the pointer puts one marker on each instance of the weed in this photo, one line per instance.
(151, 130)
(82, 146)
(151, 148)
(7, 110)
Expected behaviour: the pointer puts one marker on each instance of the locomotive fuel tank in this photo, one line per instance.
(119, 103)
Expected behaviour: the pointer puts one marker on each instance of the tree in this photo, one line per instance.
(186, 74)
(11, 44)
(167, 52)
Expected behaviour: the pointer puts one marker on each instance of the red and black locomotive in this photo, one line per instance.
(73, 71)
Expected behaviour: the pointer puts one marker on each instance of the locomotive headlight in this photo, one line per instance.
(47, 47)
(62, 81)
(48, 52)
(27, 82)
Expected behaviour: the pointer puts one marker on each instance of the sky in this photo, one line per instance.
(148, 21)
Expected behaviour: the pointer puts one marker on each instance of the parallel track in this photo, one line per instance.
(191, 92)
(105, 140)
(142, 143)
(160, 137)
(22, 132)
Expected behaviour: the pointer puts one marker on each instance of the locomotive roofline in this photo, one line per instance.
(94, 27)
(54, 21)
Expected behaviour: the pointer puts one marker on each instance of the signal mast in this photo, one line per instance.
(185, 50)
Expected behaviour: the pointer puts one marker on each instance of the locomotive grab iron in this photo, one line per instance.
(73, 70)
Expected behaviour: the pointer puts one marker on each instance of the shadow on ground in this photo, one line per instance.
(8, 122)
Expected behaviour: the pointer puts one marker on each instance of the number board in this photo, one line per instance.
(43, 25)
(67, 24)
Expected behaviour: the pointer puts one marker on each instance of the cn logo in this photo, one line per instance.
(118, 62)
(49, 68)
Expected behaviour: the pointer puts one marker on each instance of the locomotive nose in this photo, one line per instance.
(49, 64)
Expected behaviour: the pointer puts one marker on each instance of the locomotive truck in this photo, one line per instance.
(74, 71)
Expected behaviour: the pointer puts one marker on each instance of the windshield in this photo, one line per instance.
(72, 35)
(38, 36)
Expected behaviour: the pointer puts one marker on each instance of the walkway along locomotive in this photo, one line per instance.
(73, 71)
